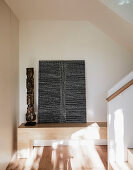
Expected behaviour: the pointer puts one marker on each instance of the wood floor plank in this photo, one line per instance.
(64, 158)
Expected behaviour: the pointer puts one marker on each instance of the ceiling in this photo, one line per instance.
(123, 8)
(67, 9)
(104, 14)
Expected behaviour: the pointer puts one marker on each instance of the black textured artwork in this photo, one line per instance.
(62, 96)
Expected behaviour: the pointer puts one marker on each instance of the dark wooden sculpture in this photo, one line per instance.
(30, 115)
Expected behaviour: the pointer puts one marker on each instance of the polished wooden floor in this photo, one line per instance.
(60, 157)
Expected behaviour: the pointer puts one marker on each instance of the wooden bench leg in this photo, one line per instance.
(25, 148)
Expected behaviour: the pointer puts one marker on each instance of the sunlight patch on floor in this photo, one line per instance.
(33, 161)
(71, 157)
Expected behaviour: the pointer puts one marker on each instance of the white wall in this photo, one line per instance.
(106, 61)
(9, 56)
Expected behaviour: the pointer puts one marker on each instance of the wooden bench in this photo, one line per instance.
(83, 131)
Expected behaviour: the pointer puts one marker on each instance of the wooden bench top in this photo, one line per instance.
(69, 125)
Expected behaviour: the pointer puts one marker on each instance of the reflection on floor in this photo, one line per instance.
(64, 158)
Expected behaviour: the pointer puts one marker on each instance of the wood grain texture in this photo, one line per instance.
(26, 135)
(120, 90)
(63, 158)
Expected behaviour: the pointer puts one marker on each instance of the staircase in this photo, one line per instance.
(125, 166)
(130, 157)
(120, 120)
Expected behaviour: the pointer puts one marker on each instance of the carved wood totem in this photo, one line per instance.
(30, 115)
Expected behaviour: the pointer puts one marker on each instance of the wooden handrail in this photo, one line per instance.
(120, 90)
